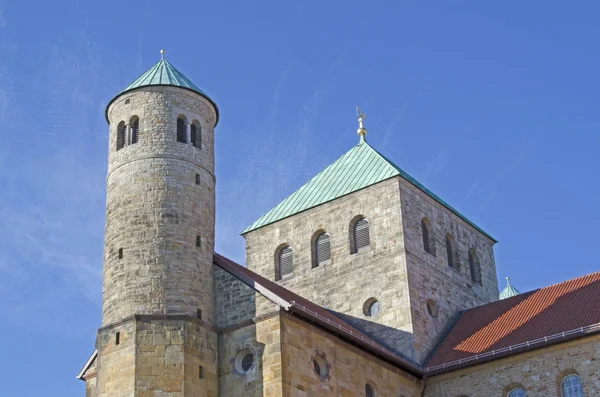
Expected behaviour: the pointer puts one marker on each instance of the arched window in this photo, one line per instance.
(571, 386)
(195, 134)
(121, 135)
(360, 234)
(518, 392)
(474, 266)
(428, 240)
(451, 251)
(369, 392)
(181, 129)
(135, 129)
(285, 262)
(322, 249)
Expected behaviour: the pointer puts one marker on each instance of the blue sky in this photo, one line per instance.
(492, 105)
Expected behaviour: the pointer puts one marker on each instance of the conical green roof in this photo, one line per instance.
(360, 167)
(509, 291)
(163, 74)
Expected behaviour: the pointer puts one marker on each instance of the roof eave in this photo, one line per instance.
(203, 95)
(87, 365)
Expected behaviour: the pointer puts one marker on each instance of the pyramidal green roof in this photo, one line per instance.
(360, 167)
(509, 291)
(163, 74)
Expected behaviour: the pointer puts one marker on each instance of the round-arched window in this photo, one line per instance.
(571, 386)
(519, 392)
(369, 392)
(321, 366)
(372, 307)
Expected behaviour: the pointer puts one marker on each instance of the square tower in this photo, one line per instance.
(371, 244)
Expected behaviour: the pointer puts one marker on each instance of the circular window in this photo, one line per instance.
(321, 366)
(244, 361)
(372, 307)
(432, 308)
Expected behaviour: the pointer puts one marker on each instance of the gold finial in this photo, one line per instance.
(162, 54)
(361, 118)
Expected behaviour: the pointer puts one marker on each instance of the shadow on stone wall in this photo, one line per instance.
(398, 341)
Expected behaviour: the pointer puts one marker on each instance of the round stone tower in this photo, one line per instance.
(160, 210)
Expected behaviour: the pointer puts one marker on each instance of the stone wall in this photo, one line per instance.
(349, 369)
(539, 372)
(347, 281)
(170, 353)
(157, 355)
(430, 277)
(263, 339)
(155, 209)
(235, 302)
(116, 362)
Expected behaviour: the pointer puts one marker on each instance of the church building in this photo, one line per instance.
(362, 282)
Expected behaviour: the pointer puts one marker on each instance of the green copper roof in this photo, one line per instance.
(161, 74)
(360, 167)
(509, 291)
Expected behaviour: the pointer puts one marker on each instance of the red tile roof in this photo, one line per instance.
(508, 324)
(302, 307)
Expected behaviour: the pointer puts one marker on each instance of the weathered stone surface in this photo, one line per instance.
(539, 372)
(155, 209)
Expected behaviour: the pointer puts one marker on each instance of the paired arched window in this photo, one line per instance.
(181, 122)
(369, 392)
(571, 386)
(474, 266)
(360, 234)
(451, 251)
(285, 262)
(518, 392)
(428, 239)
(195, 134)
(321, 249)
(135, 129)
(121, 135)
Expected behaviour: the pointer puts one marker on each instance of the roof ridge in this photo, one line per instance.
(527, 293)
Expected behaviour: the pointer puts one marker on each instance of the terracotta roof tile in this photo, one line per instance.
(547, 311)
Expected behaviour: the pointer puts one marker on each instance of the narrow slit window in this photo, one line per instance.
(201, 372)
(451, 251)
(197, 179)
(120, 253)
(195, 135)
(135, 129)
(198, 241)
(181, 130)
(428, 240)
(121, 135)
(474, 267)
(117, 338)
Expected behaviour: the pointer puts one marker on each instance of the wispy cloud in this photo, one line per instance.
(472, 189)
(270, 169)
(437, 164)
(51, 177)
